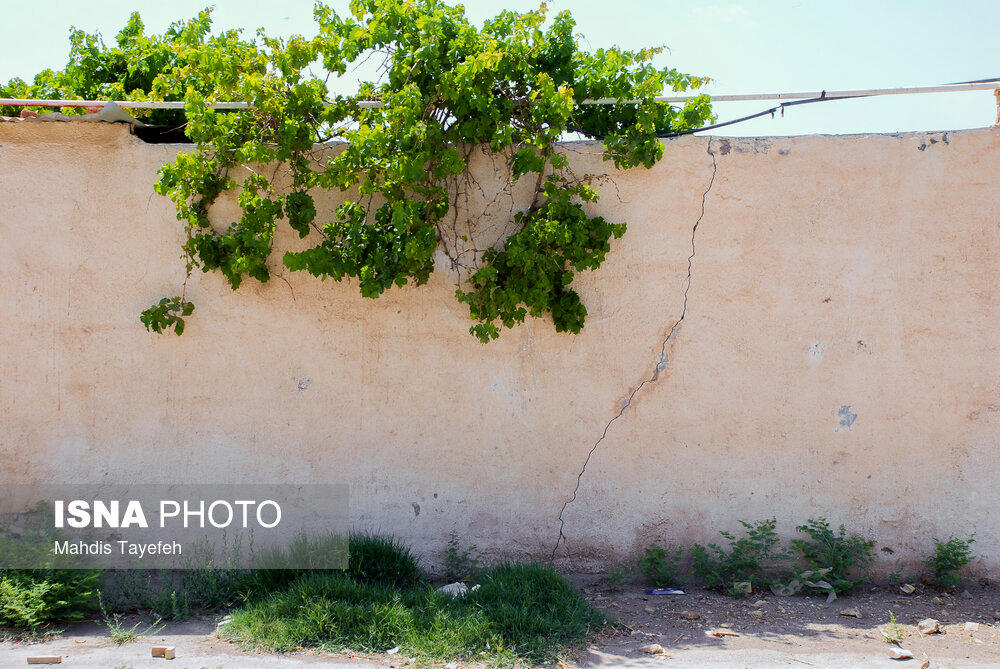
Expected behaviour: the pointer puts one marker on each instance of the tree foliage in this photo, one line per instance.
(126, 71)
(513, 86)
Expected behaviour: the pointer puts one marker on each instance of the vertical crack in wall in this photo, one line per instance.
(661, 361)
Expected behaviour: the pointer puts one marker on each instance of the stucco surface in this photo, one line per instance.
(838, 354)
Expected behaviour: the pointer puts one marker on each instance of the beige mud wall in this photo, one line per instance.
(838, 355)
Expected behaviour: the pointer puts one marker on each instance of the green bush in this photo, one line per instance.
(948, 559)
(841, 555)
(518, 611)
(747, 560)
(33, 598)
(460, 563)
(659, 566)
(384, 561)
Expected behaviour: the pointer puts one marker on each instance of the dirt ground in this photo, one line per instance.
(769, 631)
(795, 631)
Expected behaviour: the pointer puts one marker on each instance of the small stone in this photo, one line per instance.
(759, 603)
(851, 613)
(690, 615)
(907, 588)
(649, 609)
(652, 649)
(757, 614)
(454, 589)
(726, 625)
(742, 588)
(966, 594)
(900, 654)
(938, 601)
(970, 627)
(929, 626)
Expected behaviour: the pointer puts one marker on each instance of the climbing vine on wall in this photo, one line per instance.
(399, 149)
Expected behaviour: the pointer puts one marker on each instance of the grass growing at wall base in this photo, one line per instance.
(518, 611)
(179, 594)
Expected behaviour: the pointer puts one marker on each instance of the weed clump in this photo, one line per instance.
(746, 563)
(620, 572)
(948, 559)
(659, 566)
(382, 560)
(839, 557)
(460, 564)
(894, 632)
(33, 598)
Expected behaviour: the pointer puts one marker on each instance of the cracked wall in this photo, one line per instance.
(792, 327)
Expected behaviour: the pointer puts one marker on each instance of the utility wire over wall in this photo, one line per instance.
(793, 99)
(824, 96)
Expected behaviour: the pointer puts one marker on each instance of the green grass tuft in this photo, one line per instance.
(518, 611)
(176, 595)
(383, 560)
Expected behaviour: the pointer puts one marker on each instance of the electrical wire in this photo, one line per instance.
(781, 107)
(824, 96)
(772, 111)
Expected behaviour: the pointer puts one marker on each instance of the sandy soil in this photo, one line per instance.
(87, 645)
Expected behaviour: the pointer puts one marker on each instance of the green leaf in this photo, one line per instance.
(512, 85)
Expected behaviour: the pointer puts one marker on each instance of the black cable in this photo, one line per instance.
(975, 81)
(772, 111)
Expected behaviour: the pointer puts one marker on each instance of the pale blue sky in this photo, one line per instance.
(746, 46)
